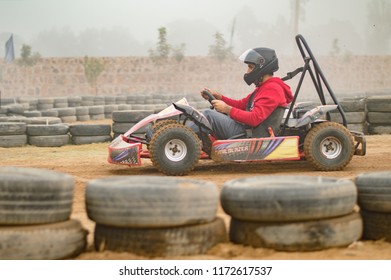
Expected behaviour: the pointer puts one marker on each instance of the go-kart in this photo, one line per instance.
(294, 133)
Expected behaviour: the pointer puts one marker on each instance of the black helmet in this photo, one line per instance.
(265, 61)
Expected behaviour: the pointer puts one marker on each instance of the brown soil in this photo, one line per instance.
(87, 162)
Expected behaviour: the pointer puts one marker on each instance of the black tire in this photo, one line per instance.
(353, 104)
(379, 129)
(299, 236)
(69, 119)
(358, 127)
(43, 120)
(50, 113)
(351, 117)
(90, 129)
(161, 242)
(53, 241)
(9, 141)
(82, 140)
(377, 226)
(329, 146)
(96, 110)
(379, 117)
(83, 118)
(287, 198)
(81, 111)
(175, 149)
(46, 130)
(379, 103)
(65, 112)
(32, 114)
(374, 191)
(12, 128)
(130, 116)
(150, 201)
(34, 196)
(121, 128)
(49, 140)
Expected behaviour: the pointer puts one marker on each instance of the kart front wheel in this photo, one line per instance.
(175, 149)
(329, 146)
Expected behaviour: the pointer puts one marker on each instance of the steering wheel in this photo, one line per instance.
(210, 97)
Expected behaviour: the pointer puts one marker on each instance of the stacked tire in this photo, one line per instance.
(53, 135)
(82, 113)
(292, 213)
(45, 104)
(124, 120)
(379, 114)
(374, 199)
(67, 115)
(35, 208)
(355, 114)
(90, 133)
(97, 112)
(12, 134)
(154, 216)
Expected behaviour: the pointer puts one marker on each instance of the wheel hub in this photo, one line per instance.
(175, 150)
(331, 147)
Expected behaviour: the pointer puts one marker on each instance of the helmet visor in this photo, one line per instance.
(253, 57)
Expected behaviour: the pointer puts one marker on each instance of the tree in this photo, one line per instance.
(219, 50)
(178, 52)
(92, 69)
(162, 48)
(26, 58)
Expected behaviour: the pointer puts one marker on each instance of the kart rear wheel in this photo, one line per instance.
(175, 149)
(329, 146)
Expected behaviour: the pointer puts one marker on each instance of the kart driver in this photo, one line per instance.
(232, 117)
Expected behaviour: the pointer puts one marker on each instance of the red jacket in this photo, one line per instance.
(269, 95)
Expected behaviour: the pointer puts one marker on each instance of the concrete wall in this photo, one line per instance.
(54, 77)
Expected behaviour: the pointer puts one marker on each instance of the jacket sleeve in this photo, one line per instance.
(240, 104)
(264, 105)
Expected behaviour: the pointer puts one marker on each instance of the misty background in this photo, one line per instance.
(57, 28)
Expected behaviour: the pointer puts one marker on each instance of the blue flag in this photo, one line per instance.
(9, 50)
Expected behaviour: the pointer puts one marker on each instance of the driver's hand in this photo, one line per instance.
(221, 106)
(216, 94)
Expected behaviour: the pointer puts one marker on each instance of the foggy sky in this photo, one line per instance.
(191, 22)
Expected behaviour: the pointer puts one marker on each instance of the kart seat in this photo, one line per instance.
(262, 130)
(273, 121)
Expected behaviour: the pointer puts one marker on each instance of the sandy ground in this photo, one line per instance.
(87, 162)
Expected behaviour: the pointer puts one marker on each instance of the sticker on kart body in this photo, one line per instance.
(121, 152)
(277, 148)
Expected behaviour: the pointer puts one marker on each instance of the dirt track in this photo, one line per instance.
(87, 162)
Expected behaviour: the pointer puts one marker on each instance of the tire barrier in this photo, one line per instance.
(154, 216)
(97, 112)
(45, 104)
(55, 135)
(109, 109)
(82, 113)
(369, 115)
(124, 120)
(60, 102)
(35, 207)
(379, 114)
(67, 115)
(355, 114)
(90, 133)
(292, 213)
(374, 199)
(12, 134)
